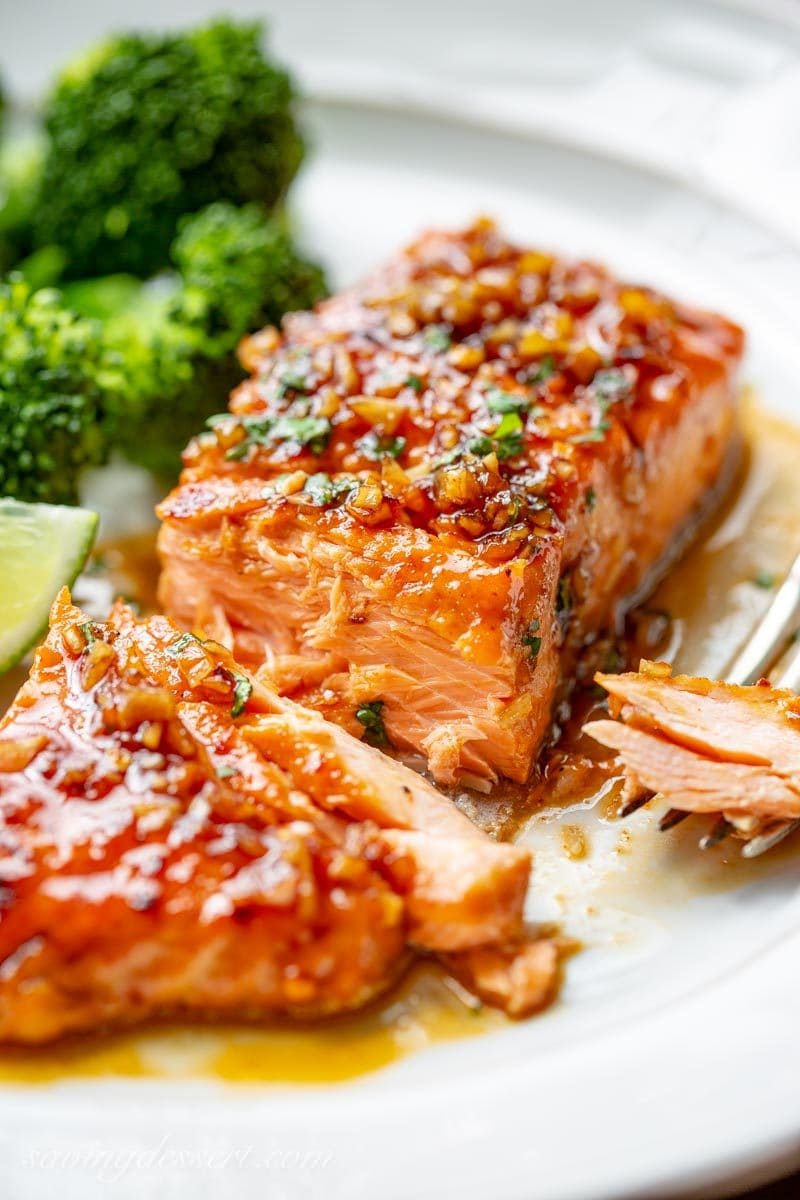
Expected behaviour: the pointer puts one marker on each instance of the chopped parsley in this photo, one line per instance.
(544, 370)
(610, 385)
(322, 489)
(531, 639)
(591, 499)
(451, 456)
(180, 645)
(437, 337)
(370, 715)
(414, 382)
(242, 691)
(498, 401)
(373, 445)
(292, 380)
(596, 434)
(294, 376)
(765, 580)
(505, 440)
(311, 432)
(225, 771)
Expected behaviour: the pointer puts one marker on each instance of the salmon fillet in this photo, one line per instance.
(707, 747)
(438, 486)
(174, 838)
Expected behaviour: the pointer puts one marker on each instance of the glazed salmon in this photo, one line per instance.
(435, 489)
(707, 747)
(174, 838)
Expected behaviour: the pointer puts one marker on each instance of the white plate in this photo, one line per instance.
(670, 1063)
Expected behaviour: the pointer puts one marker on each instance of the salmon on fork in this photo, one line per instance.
(438, 486)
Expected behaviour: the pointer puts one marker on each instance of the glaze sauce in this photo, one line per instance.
(697, 618)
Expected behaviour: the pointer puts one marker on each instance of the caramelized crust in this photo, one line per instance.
(433, 489)
(174, 838)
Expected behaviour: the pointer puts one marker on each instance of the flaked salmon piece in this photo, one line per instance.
(707, 747)
(439, 485)
(520, 977)
(176, 838)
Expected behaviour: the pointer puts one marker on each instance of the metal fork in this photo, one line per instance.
(768, 644)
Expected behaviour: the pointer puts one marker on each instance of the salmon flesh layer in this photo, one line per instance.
(175, 838)
(707, 747)
(433, 490)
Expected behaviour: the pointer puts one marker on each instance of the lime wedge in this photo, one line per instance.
(42, 549)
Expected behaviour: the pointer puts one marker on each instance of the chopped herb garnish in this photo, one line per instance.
(498, 401)
(88, 632)
(479, 445)
(225, 771)
(180, 645)
(531, 639)
(322, 489)
(611, 385)
(508, 435)
(312, 432)
(371, 717)
(591, 499)
(597, 434)
(373, 445)
(505, 441)
(544, 370)
(437, 337)
(765, 580)
(608, 387)
(414, 382)
(242, 691)
(293, 380)
(451, 456)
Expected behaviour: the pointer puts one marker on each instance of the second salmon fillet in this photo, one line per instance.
(436, 488)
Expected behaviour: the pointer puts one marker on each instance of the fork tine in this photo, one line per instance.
(780, 622)
(718, 832)
(790, 675)
(765, 841)
(671, 818)
(762, 842)
(634, 805)
(777, 625)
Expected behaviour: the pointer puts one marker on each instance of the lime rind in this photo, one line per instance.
(43, 548)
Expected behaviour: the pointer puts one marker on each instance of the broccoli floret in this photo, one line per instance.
(54, 372)
(238, 272)
(146, 129)
(20, 177)
(176, 335)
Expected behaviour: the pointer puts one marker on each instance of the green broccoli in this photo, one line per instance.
(54, 373)
(20, 175)
(146, 129)
(176, 334)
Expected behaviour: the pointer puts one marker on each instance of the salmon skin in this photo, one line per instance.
(175, 839)
(436, 488)
(707, 747)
